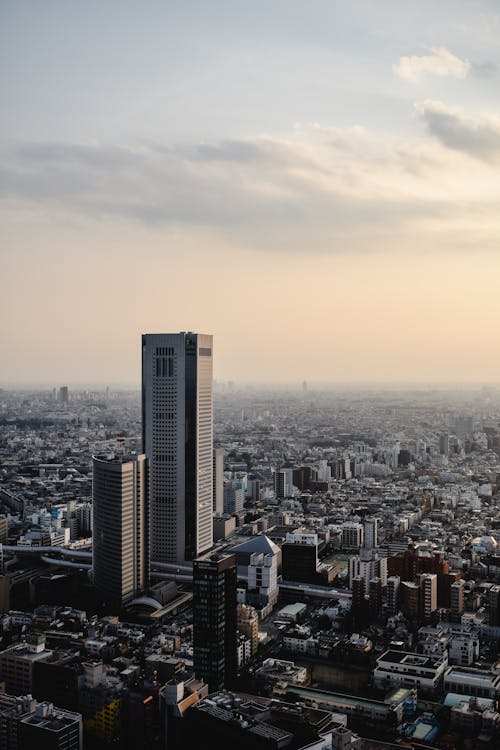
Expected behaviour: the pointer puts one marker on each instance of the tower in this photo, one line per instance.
(428, 596)
(120, 528)
(214, 620)
(177, 425)
(371, 527)
(218, 480)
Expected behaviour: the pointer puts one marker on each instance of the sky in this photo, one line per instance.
(314, 182)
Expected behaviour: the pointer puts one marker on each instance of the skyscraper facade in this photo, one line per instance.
(218, 480)
(215, 619)
(177, 423)
(120, 537)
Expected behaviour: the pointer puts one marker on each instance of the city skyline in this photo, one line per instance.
(329, 178)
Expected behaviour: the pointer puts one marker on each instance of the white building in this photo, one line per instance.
(405, 669)
(178, 440)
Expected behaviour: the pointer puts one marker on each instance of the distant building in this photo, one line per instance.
(63, 394)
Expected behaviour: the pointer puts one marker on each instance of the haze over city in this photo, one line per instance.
(315, 184)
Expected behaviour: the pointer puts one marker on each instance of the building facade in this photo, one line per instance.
(177, 423)
(120, 528)
(215, 620)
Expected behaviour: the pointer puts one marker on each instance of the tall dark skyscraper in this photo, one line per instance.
(214, 619)
(120, 528)
(177, 423)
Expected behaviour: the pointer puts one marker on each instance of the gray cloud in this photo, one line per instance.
(484, 70)
(478, 137)
(319, 193)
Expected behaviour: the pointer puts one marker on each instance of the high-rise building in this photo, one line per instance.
(120, 537)
(393, 594)
(457, 600)
(218, 480)
(214, 619)
(444, 444)
(371, 527)
(177, 424)
(234, 496)
(428, 596)
(494, 605)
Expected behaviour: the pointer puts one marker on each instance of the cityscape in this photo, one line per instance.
(303, 568)
(249, 375)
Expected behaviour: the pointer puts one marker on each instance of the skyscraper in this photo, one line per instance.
(218, 480)
(177, 424)
(120, 528)
(214, 619)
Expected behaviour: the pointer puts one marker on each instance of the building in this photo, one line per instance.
(120, 528)
(375, 597)
(248, 623)
(410, 670)
(214, 619)
(63, 394)
(393, 594)
(50, 728)
(218, 480)
(474, 682)
(262, 580)
(444, 444)
(457, 600)
(352, 535)
(17, 662)
(368, 564)
(299, 558)
(371, 529)
(494, 603)
(234, 497)
(177, 424)
(428, 596)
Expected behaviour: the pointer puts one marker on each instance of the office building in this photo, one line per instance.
(177, 424)
(214, 619)
(120, 528)
(299, 558)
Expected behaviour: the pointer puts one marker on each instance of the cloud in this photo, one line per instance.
(478, 137)
(319, 189)
(441, 62)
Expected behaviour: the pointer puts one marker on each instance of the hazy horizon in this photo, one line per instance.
(315, 184)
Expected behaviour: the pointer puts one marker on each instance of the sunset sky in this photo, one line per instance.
(316, 183)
